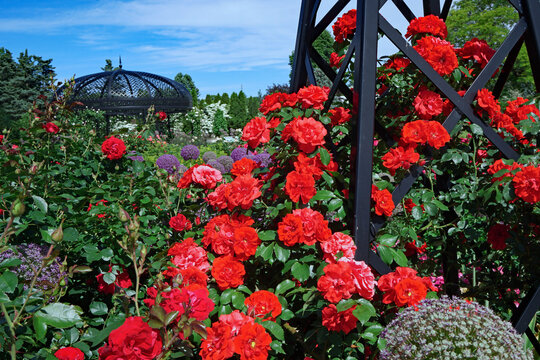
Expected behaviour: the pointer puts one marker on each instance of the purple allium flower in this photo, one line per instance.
(31, 256)
(182, 169)
(190, 152)
(209, 155)
(239, 153)
(263, 159)
(226, 161)
(451, 329)
(216, 165)
(169, 163)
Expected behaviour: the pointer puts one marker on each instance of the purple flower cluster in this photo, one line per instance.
(169, 163)
(239, 153)
(262, 159)
(209, 155)
(216, 165)
(31, 256)
(134, 157)
(226, 161)
(190, 152)
(451, 328)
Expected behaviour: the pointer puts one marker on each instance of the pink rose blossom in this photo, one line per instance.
(206, 176)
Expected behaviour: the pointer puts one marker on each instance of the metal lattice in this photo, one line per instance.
(364, 48)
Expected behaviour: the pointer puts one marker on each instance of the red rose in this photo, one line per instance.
(161, 115)
(384, 205)
(314, 226)
(486, 100)
(134, 340)
(345, 26)
(339, 115)
(436, 135)
(263, 304)
(244, 166)
(335, 60)
(410, 292)
(497, 236)
(309, 166)
(256, 132)
(438, 53)
(313, 96)
(339, 321)
(245, 242)
(300, 186)
(51, 127)
(218, 344)
(194, 303)
(242, 191)
(179, 223)
(69, 353)
(290, 230)
(337, 282)
(477, 50)
(122, 280)
(430, 24)
(428, 104)
(228, 272)
(527, 184)
(336, 243)
(307, 132)
(400, 158)
(252, 342)
(499, 165)
(114, 148)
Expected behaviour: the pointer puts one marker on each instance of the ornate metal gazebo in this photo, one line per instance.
(369, 24)
(123, 92)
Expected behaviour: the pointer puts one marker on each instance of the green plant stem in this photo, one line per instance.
(13, 349)
(6, 229)
(137, 282)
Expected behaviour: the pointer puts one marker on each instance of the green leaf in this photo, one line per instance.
(60, 315)
(416, 212)
(275, 329)
(325, 156)
(400, 258)
(385, 253)
(440, 205)
(266, 251)
(364, 311)
(98, 308)
(8, 282)
(4, 298)
(286, 315)
(11, 262)
(40, 203)
(238, 300)
(71, 234)
(226, 297)
(323, 195)
(431, 209)
(267, 235)
(109, 278)
(284, 286)
(345, 305)
(282, 254)
(40, 326)
(300, 271)
(387, 239)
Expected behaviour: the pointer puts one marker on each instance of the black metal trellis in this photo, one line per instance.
(364, 48)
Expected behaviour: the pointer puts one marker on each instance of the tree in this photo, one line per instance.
(108, 66)
(253, 104)
(187, 81)
(491, 20)
(220, 122)
(324, 45)
(21, 82)
(225, 98)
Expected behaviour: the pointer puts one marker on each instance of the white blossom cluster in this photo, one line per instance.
(204, 115)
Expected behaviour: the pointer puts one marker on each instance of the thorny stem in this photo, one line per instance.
(13, 350)
(137, 275)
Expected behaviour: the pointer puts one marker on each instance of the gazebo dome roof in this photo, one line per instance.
(123, 92)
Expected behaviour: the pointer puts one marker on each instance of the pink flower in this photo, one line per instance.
(206, 176)
(338, 242)
(236, 320)
(364, 280)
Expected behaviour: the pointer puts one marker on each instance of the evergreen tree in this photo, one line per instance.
(238, 110)
(234, 110)
(324, 45)
(225, 98)
(220, 123)
(253, 107)
(21, 82)
(209, 99)
(187, 81)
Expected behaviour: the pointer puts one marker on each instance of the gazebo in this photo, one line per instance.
(123, 92)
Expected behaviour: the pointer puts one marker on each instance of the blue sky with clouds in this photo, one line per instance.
(225, 45)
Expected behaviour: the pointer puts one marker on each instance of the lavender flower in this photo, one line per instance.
(226, 161)
(451, 329)
(190, 152)
(31, 256)
(216, 165)
(136, 158)
(239, 153)
(169, 163)
(209, 155)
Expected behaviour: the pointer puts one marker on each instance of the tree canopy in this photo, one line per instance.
(491, 20)
(187, 81)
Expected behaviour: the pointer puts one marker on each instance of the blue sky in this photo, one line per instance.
(225, 45)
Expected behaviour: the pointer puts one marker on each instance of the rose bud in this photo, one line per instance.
(18, 208)
(123, 215)
(58, 234)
